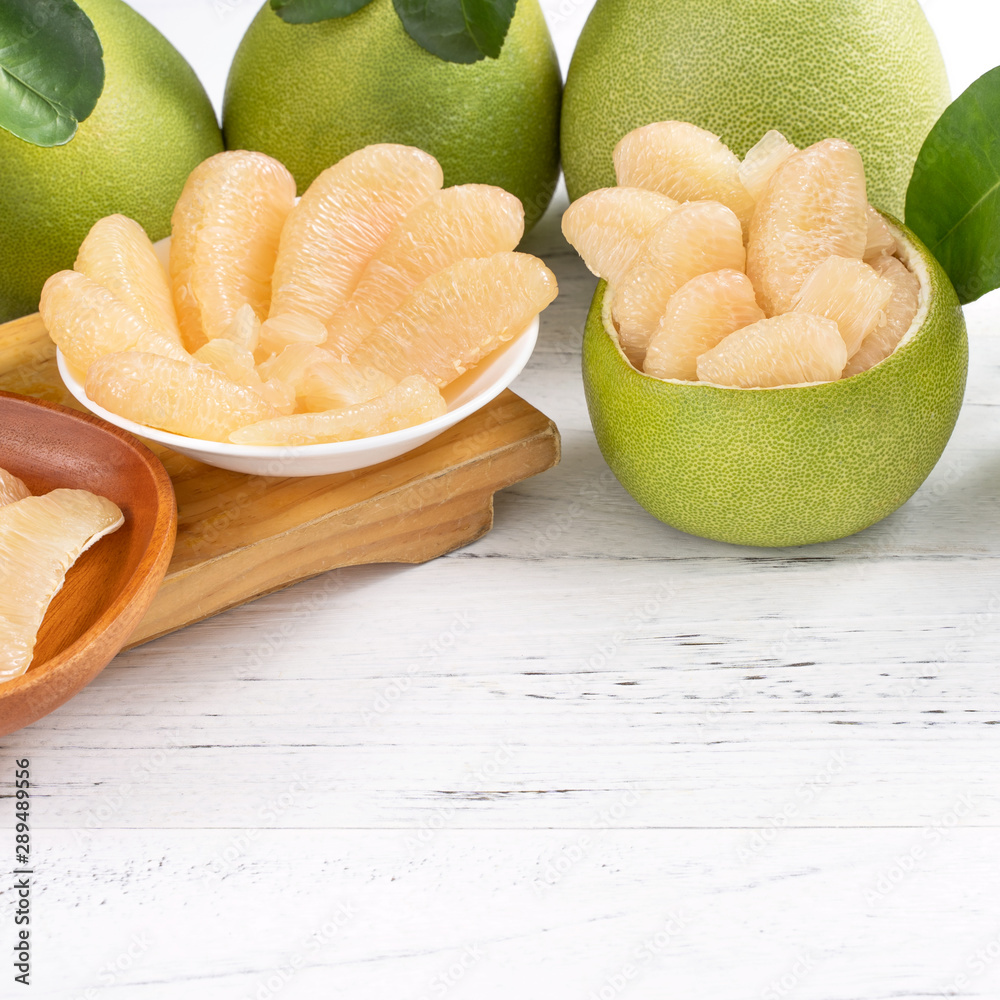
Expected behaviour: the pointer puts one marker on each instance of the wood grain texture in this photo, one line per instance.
(241, 536)
(512, 772)
(109, 588)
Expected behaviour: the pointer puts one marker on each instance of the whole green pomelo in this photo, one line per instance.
(868, 71)
(789, 465)
(309, 94)
(152, 126)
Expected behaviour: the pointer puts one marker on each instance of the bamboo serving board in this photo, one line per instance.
(241, 536)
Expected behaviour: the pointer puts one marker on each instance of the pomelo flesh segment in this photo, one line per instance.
(340, 222)
(456, 317)
(11, 488)
(791, 349)
(412, 401)
(244, 330)
(194, 400)
(683, 162)
(279, 332)
(815, 207)
(234, 362)
(609, 227)
(469, 220)
(86, 322)
(291, 363)
(40, 539)
(850, 293)
(880, 239)
(899, 315)
(762, 160)
(117, 254)
(698, 316)
(332, 384)
(697, 237)
(226, 227)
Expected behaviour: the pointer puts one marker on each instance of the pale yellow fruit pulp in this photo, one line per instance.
(226, 227)
(469, 220)
(453, 319)
(192, 399)
(341, 221)
(40, 539)
(608, 228)
(414, 400)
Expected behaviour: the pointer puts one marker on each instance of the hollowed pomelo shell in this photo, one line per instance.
(783, 466)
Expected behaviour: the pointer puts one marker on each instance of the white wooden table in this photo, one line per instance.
(586, 757)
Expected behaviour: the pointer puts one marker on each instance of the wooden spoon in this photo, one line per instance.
(110, 587)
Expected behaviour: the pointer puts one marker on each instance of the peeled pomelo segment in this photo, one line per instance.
(244, 330)
(850, 293)
(11, 488)
(696, 238)
(40, 539)
(188, 399)
(683, 162)
(331, 384)
(458, 316)
(413, 401)
(815, 207)
(880, 240)
(86, 322)
(899, 315)
(698, 316)
(279, 332)
(762, 160)
(117, 254)
(280, 395)
(226, 227)
(292, 362)
(340, 222)
(469, 220)
(609, 227)
(784, 350)
(234, 362)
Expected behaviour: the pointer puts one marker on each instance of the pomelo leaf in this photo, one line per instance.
(953, 201)
(462, 31)
(51, 69)
(308, 11)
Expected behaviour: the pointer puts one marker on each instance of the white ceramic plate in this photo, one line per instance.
(464, 396)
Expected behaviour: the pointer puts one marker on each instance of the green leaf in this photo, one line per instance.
(51, 69)
(308, 11)
(461, 31)
(953, 201)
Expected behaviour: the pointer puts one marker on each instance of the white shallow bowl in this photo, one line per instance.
(465, 395)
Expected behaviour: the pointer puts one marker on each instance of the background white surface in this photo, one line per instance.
(587, 756)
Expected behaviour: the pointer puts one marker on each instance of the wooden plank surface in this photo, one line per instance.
(241, 536)
(585, 757)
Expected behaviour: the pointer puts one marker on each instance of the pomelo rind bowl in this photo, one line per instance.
(790, 465)
(471, 392)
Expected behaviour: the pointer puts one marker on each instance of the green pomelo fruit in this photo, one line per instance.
(784, 466)
(868, 71)
(309, 94)
(152, 126)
